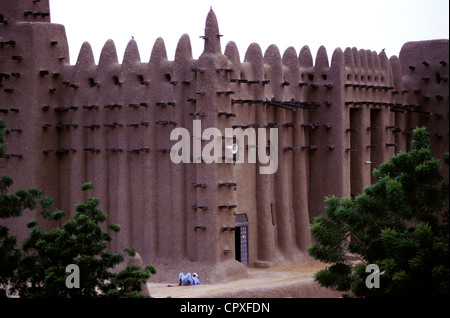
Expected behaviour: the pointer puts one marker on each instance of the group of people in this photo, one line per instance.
(189, 279)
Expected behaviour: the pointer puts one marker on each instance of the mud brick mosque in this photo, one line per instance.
(110, 123)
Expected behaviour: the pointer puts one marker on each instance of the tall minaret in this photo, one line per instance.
(212, 36)
(214, 95)
(33, 59)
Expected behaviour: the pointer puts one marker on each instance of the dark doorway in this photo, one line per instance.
(241, 238)
(376, 139)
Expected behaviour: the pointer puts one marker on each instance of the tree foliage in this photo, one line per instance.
(38, 267)
(400, 223)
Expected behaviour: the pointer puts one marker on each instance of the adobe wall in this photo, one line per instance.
(110, 124)
(33, 53)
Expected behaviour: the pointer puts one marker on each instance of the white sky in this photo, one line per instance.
(363, 24)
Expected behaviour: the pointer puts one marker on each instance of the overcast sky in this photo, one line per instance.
(372, 25)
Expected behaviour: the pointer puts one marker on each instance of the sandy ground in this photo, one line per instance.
(293, 280)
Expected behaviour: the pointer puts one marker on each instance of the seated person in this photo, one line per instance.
(195, 279)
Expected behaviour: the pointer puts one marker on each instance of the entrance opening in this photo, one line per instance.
(376, 139)
(241, 238)
(356, 155)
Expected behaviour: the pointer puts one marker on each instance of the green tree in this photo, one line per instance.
(400, 223)
(38, 268)
(80, 241)
(11, 205)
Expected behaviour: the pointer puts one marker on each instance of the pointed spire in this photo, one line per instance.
(85, 66)
(305, 57)
(212, 35)
(272, 55)
(253, 53)
(356, 58)
(272, 58)
(85, 57)
(363, 59)
(370, 62)
(108, 55)
(254, 56)
(131, 55)
(184, 50)
(338, 59)
(290, 59)
(159, 52)
(321, 58)
(397, 76)
(232, 52)
(385, 65)
(349, 58)
(376, 61)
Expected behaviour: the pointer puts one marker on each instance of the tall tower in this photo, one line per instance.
(214, 242)
(33, 53)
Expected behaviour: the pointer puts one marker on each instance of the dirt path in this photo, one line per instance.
(294, 280)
